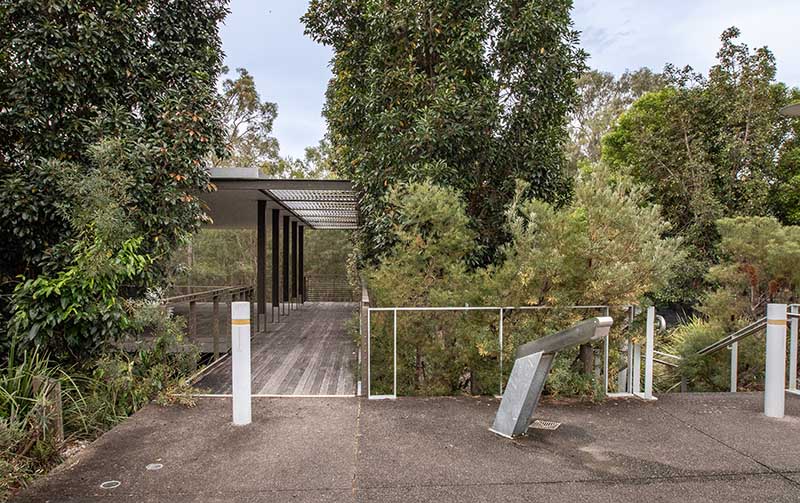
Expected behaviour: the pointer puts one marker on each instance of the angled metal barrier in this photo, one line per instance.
(532, 364)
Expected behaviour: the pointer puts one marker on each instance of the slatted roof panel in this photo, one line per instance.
(321, 209)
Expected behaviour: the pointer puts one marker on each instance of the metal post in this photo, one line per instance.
(215, 326)
(240, 362)
(394, 329)
(636, 375)
(261, 264)
(793, 350)
(193, 321)
(501, 351)
(648, 355)
(294, 265)
(285, 258)
(369, 353)
(275, 263)
(734, 367)
(301, 274)
(775, 372)
(605, 358)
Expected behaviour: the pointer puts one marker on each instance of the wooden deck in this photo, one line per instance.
(310, 352)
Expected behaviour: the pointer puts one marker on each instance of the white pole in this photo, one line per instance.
(648, 355)
(775, 372)
(369, 352)
(734, 367)
(605, 358)
(240, 362)
(501, 351)
(395, 352)
(793, 350)
(636, 374)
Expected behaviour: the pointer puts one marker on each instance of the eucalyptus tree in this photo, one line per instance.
(470, 94)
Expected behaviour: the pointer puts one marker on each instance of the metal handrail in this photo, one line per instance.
(206, 295)
(734, 337)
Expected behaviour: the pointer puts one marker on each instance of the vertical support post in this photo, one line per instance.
(793, 349)
(294, 264)
(240, 362)
(215, 326)
(275, 262)
(261, 264)
(636, 373)
(285, 258)
(648, 355)
(734, 367)
(605, 357)
(394, 332)
(300, 264)
(775, 372)
(501, 351)
(369, 353)
(193, 321)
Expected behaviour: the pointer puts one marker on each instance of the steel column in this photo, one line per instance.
(275, 262)
(261, 264)
(286, 258)
(793, 350)
(294, 264)
(301, 274)
(775, 371)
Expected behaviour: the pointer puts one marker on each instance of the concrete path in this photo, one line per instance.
(693, 447)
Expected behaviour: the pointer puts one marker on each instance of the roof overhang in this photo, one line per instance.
(791, 110)
(318, 204)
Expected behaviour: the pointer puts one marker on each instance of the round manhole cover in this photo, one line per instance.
(110, 484)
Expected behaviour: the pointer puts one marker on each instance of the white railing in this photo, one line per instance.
(501, 313)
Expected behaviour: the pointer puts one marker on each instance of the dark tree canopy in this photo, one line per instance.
(471, 94)
(94, 89)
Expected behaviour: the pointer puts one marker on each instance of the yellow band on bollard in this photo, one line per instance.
(240, 322)
(776, 322)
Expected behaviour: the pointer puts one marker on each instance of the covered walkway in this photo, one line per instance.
(310, 352)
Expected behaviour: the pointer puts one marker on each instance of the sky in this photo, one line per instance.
(266, 37)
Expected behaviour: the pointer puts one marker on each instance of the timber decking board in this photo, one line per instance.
(308, 353)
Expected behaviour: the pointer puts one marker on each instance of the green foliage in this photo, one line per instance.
(758, 258)
(603, 97)
(708, 148)
(90, 85)
(604, 248)
(469, 94)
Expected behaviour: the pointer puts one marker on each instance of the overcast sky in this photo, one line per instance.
(266, 37)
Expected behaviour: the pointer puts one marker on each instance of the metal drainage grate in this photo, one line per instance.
(544, 425)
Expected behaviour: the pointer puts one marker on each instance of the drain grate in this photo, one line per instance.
(544, 425)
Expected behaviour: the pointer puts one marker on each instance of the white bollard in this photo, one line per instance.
(734, 367)
(648, 353)
(240, 362)
(775, 372)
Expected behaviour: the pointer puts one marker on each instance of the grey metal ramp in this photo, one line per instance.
(529, 374)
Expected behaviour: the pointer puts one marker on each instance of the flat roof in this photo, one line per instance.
(318, 204)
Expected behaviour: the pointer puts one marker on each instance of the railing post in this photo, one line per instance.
(648, 355)
(605, 357)
(793, 350)
(240, 362)
(501, 351)
(395, 352)
(775, 371)
(215, 326)
(734, 367)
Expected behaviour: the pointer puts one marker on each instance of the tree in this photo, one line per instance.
(80, 78)
(248, 124)
(468, 94)
(603, 98)
(707, 147)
